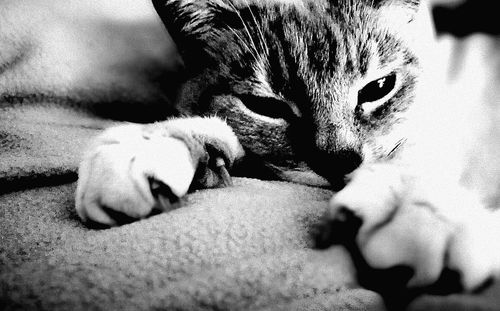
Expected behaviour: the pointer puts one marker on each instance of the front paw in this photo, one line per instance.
(395, 223)
(132, 170)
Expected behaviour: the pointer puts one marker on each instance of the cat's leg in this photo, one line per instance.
(391, 218)
(129, 170)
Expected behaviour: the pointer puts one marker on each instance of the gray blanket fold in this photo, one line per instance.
(210, 254)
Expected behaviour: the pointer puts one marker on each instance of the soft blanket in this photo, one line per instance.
(246, 247)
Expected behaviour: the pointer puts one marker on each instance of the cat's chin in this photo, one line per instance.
(305, 177)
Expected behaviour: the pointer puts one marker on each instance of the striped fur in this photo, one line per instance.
(286, 74)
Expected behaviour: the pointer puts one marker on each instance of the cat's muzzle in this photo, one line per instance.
(335, 166)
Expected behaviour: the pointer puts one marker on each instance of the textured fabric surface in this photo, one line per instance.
(41, 144)
(244, 247)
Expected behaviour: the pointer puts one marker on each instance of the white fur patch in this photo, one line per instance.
(116, 170)
(417, 222)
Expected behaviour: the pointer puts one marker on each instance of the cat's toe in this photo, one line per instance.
(134, 170)
(127, 180)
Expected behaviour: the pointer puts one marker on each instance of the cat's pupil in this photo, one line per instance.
(377, 89)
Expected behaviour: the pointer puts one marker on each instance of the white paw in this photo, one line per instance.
(131, 170)
(402, 220)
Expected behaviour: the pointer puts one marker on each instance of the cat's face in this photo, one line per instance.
(304, 84)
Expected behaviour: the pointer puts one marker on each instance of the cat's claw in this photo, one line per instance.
(402, 221)
(132, 170)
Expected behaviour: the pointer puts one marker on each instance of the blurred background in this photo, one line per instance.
(464, 17)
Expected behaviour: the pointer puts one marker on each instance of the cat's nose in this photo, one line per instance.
(345, 161)
(334, 166)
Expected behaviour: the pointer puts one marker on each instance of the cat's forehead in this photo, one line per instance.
(304, 4)
(322, 50)
(324, 43)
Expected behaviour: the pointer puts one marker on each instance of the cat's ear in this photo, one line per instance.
(194, 24)
(413, 21)
(398, 11)
(411, 4)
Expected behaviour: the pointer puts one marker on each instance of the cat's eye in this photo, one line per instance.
(377, 89)
(270, 107)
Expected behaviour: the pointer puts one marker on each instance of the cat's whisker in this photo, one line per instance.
(245, 25)
(244, 44)
(251, 38)
(262, 41)
(398, 145)
(254, 47)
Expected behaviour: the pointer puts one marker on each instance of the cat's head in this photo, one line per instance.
(304, 83)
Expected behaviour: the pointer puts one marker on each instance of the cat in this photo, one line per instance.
(328, 93)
